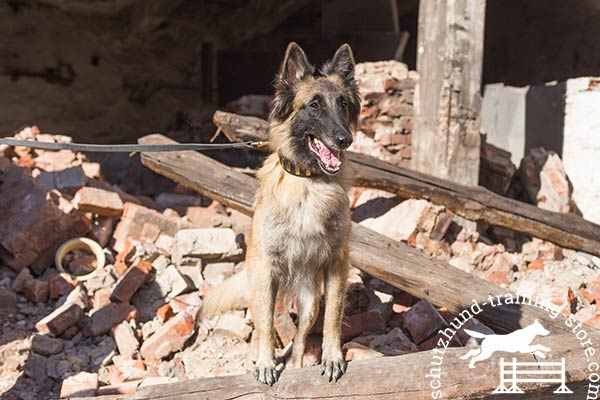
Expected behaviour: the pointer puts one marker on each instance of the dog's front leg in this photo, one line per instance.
(264, 295)
(333, 363)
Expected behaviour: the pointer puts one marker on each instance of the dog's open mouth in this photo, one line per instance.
(329, 159)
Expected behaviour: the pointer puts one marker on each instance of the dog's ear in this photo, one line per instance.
(294, 67)
(295, 64)
(342, 63)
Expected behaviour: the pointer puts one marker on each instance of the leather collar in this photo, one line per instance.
(295, 170)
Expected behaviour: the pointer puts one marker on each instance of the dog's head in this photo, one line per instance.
(539, 328)
(314, 114)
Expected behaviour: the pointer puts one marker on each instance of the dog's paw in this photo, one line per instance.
(333, 368)
(266, 373)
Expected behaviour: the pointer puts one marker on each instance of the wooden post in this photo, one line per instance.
(447, 99)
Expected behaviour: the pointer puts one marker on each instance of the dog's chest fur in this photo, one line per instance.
(301, 223)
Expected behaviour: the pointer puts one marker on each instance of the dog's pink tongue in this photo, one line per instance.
(329, 157)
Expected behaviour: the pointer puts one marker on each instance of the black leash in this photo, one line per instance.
(131, 148)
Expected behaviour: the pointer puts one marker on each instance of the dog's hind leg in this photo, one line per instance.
(264, 295)
(308, 307)
(470, 353)
(484, 355)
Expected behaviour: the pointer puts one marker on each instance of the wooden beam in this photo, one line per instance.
(394, 262)
(473, 203)
(399, 377)
(446, 141)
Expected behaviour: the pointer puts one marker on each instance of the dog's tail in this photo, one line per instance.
(474, 334)
(231, 294)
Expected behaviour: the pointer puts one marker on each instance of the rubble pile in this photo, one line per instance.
(386, 118)
(107, 325)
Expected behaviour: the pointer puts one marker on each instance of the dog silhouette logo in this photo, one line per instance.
(514, 372)
(518, 341)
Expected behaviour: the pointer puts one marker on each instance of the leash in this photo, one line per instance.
(132, 148)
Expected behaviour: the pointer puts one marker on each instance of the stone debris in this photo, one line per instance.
(134, 322)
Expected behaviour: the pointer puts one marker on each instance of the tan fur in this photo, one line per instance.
(299, 244)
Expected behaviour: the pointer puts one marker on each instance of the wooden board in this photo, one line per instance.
(446, 138)
(471, 202)
(391, 261)
(399, 377)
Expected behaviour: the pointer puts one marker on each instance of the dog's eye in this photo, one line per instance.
(314, 105)
(344, 104)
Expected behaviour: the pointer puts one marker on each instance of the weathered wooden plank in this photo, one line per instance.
(446, 139)
(400, 377)
(474, 203)
(391, 261)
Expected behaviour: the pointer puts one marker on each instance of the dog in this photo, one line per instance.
(301, 225)
(518, 341)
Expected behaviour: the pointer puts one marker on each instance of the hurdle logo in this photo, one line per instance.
(519, 341)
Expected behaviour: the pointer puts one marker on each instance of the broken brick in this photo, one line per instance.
(66, 315)
(61, 285)
(356, 351)
(131, 281)
(36, 290)
(132, 223)
(98, 201)
(34, 225)
(125, 339)
(210, 244)
(368, 321)
(536, 265)
(233, 325)
(170, 337)
(422, 321)
(105, 318)
(591, 292)
(82, 384)
(22, 277)
(164, 312)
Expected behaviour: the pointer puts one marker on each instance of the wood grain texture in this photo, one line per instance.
(399, 377)
(446, 139)
(391, 261)
(471, 202)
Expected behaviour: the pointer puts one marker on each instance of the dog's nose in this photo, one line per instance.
(344, 140)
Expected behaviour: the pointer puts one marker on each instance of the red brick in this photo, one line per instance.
(356, 351)
(170, 337)
(36, 290)
(499, 277)
(98, 201)
(422, 321)
(164, 312)
(125, 338)
(591, 292)
(126, 369)
(65, 316)
(184, 301)
(132, 224)
(368, 321)
(21, 279)
(101, 298)
(82, 384)
(105, 318)
(61, 285)
(37, 224)
(536, 265)
(131, 281)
